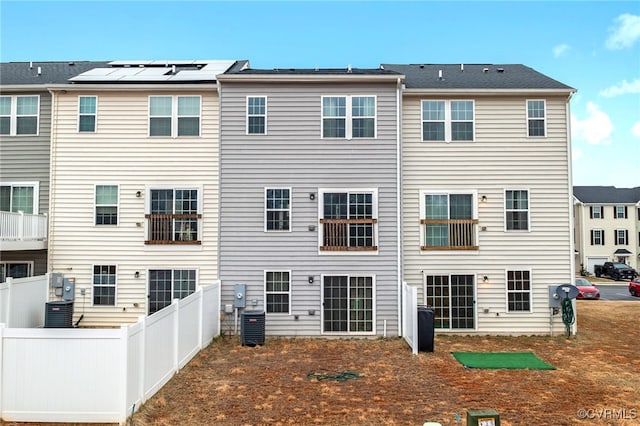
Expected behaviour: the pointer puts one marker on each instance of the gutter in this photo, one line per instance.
(307, 78)
(487, 92)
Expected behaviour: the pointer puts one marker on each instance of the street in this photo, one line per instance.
(615, 292)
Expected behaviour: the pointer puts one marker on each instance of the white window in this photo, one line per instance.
(106, 208)
(15, 269)
(104, 285)
(597, 237)
(596, 212)
(87, 111)
(277, 209)
(448, 120)
(19, 197)
(518, 291)
(348, 220)
(174, 216)
(19, 115)
(622, 237)
(174, 116)
(256, 115)
(448, 221)
(516, 206)
(620, 212)
(536, 118)
(168, 284)
(349, 117)
(278, 292)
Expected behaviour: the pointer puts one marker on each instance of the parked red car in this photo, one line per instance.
(634, 287)
(587, 289)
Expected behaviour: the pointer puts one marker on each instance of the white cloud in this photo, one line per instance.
(560, 50)
(595, 129)
(624, 33)
(622, 88)
(635, 130)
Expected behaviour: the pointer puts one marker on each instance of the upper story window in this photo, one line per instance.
(278, 292)
(19, 197)
(349, 117)
(256, 115)
(15, 269)
(596, 212)
(277, 209)
(536, 118)
(449, 222)
(106, 204)
(104, 285)
(516, 206)
(620, 212)
(174, 216)
(174, 116)
(19, 115)
(349, 221)
(87, 111)
(518, 291)
(597, 237)
(622, 237)
(447, 120)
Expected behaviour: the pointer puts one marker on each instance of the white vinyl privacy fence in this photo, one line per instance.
(101, 375)
(410, 316)
(22, 301)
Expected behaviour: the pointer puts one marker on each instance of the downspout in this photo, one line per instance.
(52, 168)
(399, 199)
(572, 255)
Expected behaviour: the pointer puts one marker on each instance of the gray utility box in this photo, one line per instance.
(58, 314)
(252, 328)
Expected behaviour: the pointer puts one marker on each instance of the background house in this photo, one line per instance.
(25, 134)
(486, 193)
(134, 192)
(607, 225)
(309, 198)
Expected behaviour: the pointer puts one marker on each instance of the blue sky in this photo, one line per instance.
(591, 46)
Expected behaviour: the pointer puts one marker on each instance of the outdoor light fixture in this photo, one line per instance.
(312, 196)
(485, 279)
(137, 274)
(483, 199)
(310, 279)
(138, 194)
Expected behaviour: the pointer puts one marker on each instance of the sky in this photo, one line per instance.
(592, 46)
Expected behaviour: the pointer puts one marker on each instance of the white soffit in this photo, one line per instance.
(129, 71)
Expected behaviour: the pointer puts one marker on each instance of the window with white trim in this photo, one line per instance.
(256, 115)
(168, 284)
(104, 285)
(106, 204)
(349, 117)
(87, 111)
(536, 118)
(597, 237)
(449, 221)
(15, 269)
(348, 221)
(448, 120)
(347, 304)
(620, 212)
(19, 115)
(518, 291)
(278, 291)
(622, 237)
(277, 209)
(596, 212)
(516, 210)
(174, 216)
(174, 116)
(19, 197)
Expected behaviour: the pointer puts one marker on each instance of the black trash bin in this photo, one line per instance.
(426, 328)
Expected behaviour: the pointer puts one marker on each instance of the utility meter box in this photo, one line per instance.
(483, 418)
(555, 299)
(69, 289)
(239, 296)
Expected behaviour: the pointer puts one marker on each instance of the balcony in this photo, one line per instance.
(348, 234)
(449, 234)
(180, 229)
(23, 231)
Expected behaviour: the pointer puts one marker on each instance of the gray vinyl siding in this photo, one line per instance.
(501, 157)
(293, 155)
(25, 158)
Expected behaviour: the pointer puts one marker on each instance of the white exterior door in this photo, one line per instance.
(592, 261)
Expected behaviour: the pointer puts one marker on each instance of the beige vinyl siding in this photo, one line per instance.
(293, 155)
(120, 152)
(501, 157)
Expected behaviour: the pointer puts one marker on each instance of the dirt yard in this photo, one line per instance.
(596, 381)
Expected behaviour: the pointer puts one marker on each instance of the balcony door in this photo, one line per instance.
(347, 304)
(452, 298)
